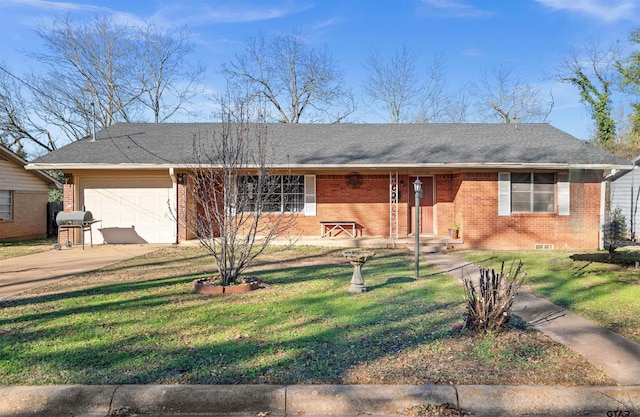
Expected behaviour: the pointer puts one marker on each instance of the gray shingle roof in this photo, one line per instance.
(346, 144)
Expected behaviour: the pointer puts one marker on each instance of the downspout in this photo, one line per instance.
(634, 200)
(603, 187)
(632, 223)
(174, 182)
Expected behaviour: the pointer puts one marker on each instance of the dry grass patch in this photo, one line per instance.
(21, 248)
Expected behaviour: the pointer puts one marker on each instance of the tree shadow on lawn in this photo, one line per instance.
(313, 336)
(289, 355)
(139, 262)
(101, 290)
(340, 268)
(572, 279)
(623, 259)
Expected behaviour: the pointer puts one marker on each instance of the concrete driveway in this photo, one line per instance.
(25, 272)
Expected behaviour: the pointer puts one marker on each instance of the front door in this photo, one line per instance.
(426, 206)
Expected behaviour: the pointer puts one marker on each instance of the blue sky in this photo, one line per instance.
(472, 35)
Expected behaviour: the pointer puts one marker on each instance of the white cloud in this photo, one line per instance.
(52, 5)
(35, 12)
(455, 8)
(607, 10)
(197, 13)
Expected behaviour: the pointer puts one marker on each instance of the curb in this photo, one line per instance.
(281, 400)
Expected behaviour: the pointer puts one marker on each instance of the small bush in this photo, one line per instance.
(489, 304)
(614, 232)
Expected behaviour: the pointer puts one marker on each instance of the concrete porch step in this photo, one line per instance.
(429, 244)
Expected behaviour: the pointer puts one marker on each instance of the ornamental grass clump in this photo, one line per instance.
(490, 302)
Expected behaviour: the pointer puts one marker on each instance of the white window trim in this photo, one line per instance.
(11, 204)
(310, 204)
(563, 196)
(564, 193)
(504, 193)
(282, 211)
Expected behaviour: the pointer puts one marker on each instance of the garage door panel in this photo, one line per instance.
(144, 210)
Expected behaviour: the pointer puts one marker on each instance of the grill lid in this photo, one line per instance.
(74, 218)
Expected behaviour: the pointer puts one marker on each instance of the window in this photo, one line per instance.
(533, 192)
(280, 193)
(6, 205)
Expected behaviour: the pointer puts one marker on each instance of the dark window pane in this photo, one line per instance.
(520, 178)
(546, 178)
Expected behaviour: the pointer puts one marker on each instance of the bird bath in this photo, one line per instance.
(357, 259)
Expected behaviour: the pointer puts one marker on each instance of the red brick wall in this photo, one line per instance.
(29, 216)
(181, 208)
(367, 204)
(447, 186)
(481, 227)
(69, 196)
(468, 198)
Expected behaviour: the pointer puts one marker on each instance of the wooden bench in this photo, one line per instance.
(327, 228)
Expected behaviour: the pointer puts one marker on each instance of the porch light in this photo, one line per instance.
(417, 187)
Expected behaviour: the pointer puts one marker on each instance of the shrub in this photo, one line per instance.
(614, 231)
(489, 304)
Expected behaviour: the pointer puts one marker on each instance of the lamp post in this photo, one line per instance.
(417, 187)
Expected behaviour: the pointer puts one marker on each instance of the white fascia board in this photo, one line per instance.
(73, 166)
(472, 165)
(454, 166)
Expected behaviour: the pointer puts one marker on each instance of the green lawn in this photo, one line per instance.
(603, 289)
(140, 322)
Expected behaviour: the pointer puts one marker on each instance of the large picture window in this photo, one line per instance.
(280, 193)
(533, 192)
(6, 205)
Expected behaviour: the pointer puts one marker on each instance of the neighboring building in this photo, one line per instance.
(625, 194)
(23, 198)
(509, 186)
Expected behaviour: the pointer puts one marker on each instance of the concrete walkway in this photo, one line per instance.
(30, 271)
(311, 400)
(618, 357)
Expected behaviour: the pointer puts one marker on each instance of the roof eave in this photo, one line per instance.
(452, 165)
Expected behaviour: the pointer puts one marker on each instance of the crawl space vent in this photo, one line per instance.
(544, 246)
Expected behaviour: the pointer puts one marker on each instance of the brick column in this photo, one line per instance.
(69, 193)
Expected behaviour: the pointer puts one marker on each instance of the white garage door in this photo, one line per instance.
(131, 210)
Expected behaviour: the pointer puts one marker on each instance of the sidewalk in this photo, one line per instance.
(618, 357)
(309, 400)
(30, 271)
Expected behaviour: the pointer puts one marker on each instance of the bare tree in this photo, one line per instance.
(435, 100)
(592, 70)
(297, 80)
(167, 78)
(92, 62)
(394, 83)
(504, 98)
(16, 120)
(457, 106)
(239, 204)
(117, 72)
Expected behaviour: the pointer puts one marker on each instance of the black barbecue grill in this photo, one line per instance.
(68, 221)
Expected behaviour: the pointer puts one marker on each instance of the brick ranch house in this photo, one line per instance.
(508, 186)
(23, 198)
